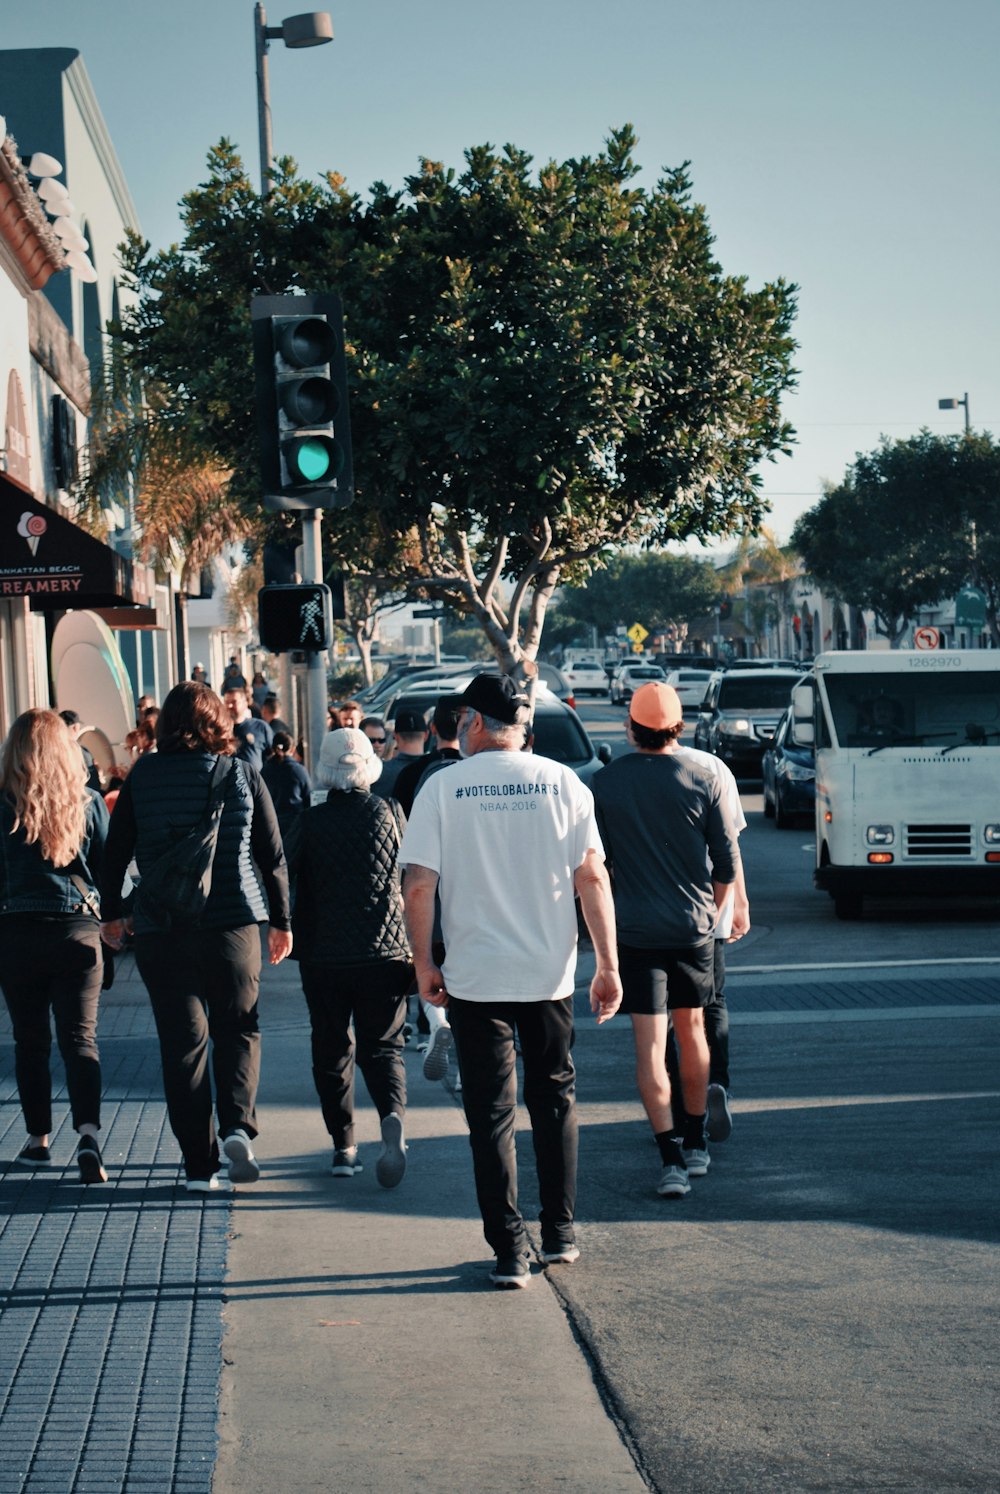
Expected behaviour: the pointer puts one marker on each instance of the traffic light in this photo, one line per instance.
(725, 605)
(303, 431)
(290, 618)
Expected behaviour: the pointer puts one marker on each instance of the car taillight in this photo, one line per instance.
(570, 701)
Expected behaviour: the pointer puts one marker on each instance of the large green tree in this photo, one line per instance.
(542, 365)
(910, 522)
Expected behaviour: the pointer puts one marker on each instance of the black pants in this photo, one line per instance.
(375, 997)
(203, 985)
(717, 1034)
(484, 1041)
(53, 964)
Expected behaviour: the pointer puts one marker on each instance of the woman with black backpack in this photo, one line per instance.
(198, 820)
(52, 836)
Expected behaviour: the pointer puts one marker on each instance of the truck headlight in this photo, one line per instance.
(991, 834)
(737, 727)
(880, 835)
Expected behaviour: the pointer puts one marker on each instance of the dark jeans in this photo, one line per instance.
(484, 1041)
(375, 997)
(203, 985)
(717, 1033)
(53, 964)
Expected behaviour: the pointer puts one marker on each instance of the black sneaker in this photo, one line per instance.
(89, 1161)
(559, 1250)
(33, 1156)
(345, 1162)
(511, 1271)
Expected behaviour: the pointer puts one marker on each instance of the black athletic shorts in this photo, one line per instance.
(656, 981)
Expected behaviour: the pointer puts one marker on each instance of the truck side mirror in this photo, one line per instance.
(802, 727)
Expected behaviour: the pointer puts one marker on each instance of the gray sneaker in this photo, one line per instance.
(391, 1164)
(673, 1182)
(720, 1120)
(697, 1160)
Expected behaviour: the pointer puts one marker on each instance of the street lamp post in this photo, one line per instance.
(955, 404)
(310, 29)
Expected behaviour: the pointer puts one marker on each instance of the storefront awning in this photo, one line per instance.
(56, 564)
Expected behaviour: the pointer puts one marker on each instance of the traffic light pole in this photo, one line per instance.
(315, 682)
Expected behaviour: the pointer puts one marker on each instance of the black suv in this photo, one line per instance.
(740, 713)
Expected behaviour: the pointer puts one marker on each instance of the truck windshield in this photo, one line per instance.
(878, 710)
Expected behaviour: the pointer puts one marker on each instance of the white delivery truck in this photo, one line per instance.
(907, 773)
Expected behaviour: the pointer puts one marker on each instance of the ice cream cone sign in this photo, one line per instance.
(31, 528)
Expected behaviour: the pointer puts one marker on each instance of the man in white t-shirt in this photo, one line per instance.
(733, 924)
(506, 839)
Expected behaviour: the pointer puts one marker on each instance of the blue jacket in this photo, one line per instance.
(31, 884)
(163, 797)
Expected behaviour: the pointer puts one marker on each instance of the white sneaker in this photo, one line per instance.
(214, 1184)
(440, 1045)
(243, 1165)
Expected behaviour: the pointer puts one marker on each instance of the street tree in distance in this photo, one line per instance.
(660, 590)
(543, 365)
(892, 537)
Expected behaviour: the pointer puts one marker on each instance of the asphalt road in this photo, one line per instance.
(821, 1312)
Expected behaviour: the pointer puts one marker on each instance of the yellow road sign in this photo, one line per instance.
(637, 632)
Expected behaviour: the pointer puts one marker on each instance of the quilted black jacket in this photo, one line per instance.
(348, 903)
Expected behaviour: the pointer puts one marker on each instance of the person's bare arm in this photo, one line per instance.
(593, 888)
(419, 887)
(741, 906)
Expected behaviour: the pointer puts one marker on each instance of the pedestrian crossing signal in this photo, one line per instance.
(294, 618)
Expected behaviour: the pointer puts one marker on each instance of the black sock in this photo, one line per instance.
(670, 1152)
(695, 1137)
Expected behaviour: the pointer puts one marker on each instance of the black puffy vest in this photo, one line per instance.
(348, 903)
(169, 795)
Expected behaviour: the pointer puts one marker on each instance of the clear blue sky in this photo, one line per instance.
(852, 148)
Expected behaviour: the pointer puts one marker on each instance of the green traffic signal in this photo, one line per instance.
(313, 458)
(303, 431)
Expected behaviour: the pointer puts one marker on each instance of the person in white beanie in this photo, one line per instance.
(354, 957)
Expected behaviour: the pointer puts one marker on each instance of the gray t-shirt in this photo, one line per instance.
(658, 814)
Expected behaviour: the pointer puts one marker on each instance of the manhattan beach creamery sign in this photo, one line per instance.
(52, 561)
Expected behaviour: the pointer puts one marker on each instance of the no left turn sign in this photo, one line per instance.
(926, 638)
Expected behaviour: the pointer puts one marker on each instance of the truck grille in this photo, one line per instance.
(939, 840)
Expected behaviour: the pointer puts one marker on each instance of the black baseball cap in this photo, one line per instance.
(498, 696)
(408, 719)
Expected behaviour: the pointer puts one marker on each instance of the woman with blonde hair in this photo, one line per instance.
(52, 837)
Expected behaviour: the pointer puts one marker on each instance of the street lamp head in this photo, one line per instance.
(311, 29)
(949, 404)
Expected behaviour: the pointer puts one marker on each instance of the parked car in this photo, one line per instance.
(628, 677)
(422, 695)
(559, 733)
(586, 677)
(789, 775)
(691, 685)
(557, 730)
(740, 714)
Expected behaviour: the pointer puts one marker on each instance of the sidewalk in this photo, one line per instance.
(324, 1334)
